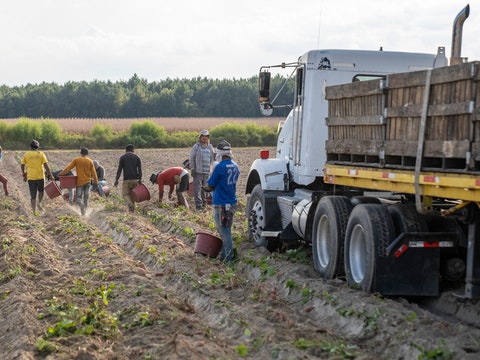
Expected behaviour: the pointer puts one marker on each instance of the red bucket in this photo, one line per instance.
(68, 182)
(52, 190)
(208, 244)
(140, 193)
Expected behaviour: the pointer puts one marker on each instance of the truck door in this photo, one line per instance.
(295, 149)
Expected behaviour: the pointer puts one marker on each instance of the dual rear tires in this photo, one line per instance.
(351, 240)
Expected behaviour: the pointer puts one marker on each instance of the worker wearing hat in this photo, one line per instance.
(223, 183)
(177, 179)
(201, 159)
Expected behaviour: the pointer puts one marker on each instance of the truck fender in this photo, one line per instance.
(272, 174)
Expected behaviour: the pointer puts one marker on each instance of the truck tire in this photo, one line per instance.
(370, 230)
(256, 216)
(328, 235)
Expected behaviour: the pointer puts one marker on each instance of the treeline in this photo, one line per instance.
(135, 98)
(144, 134)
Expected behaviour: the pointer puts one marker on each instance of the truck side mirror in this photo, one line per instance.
(264, 86)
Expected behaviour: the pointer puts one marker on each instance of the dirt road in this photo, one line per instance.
(114, 285)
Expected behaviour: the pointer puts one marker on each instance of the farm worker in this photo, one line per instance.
(101, 178)
(202, 155)
(34, 164)
(3, 179)
(176, 178)
(223, 183)
(131, 165)
(85, 174)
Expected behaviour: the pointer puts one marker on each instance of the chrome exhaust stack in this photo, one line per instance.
(456, 54)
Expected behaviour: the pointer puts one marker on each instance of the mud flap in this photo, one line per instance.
(273, 217)
(415, 273)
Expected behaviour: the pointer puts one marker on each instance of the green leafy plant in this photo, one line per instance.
(241, 350)
(441, 352)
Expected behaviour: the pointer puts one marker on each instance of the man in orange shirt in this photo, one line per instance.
(175, 177)
(85, 174)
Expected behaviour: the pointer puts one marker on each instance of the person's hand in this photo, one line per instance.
(206, 188)
(170, 197)
(116, 183)
(24, 176)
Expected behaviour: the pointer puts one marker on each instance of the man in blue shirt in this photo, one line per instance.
(223, 183)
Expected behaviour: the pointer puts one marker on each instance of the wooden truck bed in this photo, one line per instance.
(395, 124)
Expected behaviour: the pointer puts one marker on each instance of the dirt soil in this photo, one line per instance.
(114, 285)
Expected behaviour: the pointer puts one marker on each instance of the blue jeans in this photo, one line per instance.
(226, 254)
(101, 184)
(198, 181)
(83, 193)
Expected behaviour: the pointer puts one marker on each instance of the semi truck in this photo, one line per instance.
(377, 168)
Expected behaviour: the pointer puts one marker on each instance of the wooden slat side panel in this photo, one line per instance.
(354, 147)
(452, 130)
(355, 89)
(432, 148)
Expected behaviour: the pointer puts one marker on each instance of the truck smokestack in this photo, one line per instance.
(457, 36)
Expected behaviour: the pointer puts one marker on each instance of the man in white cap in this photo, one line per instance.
(223, 183)
(201, 160)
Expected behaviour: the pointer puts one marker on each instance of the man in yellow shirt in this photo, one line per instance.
(85, 174)
(34, 165)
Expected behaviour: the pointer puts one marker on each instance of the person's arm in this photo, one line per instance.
(170, 191)
(119, 172)
(192, 160)
(67, 169)
(139, 170)
(48, 171)
(212, 181)
(160, 187)
(94, 174)
(24, 173)
(101, 173)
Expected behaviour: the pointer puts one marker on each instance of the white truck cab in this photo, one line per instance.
(301, 141)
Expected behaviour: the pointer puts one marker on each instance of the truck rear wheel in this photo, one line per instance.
(328, 235)
(370, 230)
(256, 216)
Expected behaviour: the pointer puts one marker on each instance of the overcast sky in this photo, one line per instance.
(75, 40)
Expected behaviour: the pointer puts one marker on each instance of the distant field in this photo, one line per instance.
(74, 125)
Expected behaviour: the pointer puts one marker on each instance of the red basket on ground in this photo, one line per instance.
(140, 193)
(208, 244)
(68, 182)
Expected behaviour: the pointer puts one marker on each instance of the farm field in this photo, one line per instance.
(170, 124)
(114, 285)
